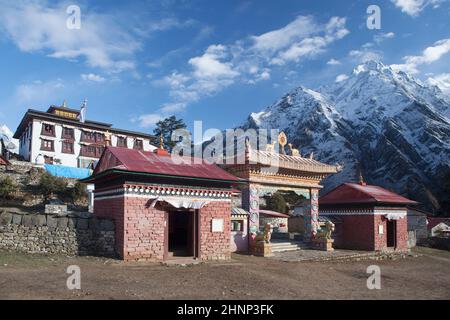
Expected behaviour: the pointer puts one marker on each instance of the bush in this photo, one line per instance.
(277, 203)
(78, 192)
(50, 185)
(7, 188)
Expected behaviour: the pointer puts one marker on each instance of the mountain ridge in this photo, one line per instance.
(392, 127)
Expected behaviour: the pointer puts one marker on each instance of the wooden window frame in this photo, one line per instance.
(135, 145)
(48, 133)
(65, 150)
(125, 142)
(66, 136)
(94, 137)
(44, 148)
(98, 150)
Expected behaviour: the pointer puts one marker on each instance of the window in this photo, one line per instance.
(47, 145)
(89, 136)
(91, 151)
(138, 144)
(121, 142)
(67, 147)
(48, 130)
(237, 225)
(68, 133)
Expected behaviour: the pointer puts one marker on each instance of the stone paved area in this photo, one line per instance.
(316, 255)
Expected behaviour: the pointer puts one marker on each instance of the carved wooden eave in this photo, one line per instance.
(272, 168)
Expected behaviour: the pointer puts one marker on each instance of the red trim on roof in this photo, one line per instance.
(354, 193)
(150, 162)
(270, 213)
(433, 222)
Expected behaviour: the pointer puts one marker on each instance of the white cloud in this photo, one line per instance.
(173, 107)
(333, 62)
(311, 46)
(168, 24)
(38, 92)
(275, 40)
(442, 81)
(92, 77)
(209, 65)
(251, 60)
(36, 26)
(341, 77)
(414, 7)
(364, 54)
(149, 120)
(378, 38)
(429, 55)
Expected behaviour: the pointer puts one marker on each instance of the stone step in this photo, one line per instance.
(293, 248)
(278, 246)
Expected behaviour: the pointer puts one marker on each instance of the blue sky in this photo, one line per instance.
(215, 61)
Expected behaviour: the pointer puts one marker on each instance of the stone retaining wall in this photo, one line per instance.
(41, 233)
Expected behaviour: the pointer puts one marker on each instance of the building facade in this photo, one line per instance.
(371, 218)
(164, 209)
(62, 136)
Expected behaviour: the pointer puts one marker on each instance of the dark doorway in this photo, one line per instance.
(183, 234)
(391, 233)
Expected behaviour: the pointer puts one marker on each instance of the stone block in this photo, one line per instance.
(62, 222)
(39, 220)
(27, 220)
(55, 208)
(72, 222)
(107, 225)
(82, 224)
(5, 218)
(17, 219)
(52, 222)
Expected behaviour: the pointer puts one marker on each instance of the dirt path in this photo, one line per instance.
(245, 277)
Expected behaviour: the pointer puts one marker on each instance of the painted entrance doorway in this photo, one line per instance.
(391, 233)
(183, 234)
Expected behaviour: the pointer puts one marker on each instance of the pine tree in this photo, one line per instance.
(166, 127)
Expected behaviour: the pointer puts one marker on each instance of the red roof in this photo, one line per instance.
(355, 193)
(149, 162)
(274, 214)
(433, 222)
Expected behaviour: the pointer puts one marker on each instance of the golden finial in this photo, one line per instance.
(161, 141)
(361, 179)
(282, 140)
(107, 138)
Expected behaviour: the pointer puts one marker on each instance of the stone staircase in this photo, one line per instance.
(281, 245)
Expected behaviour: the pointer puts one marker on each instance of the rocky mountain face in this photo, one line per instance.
(7, 136)
(387, 124)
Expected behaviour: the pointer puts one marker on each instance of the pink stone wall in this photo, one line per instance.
(141, 234)
(215, 245)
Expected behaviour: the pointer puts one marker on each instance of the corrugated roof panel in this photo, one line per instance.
(349, 193)
(149, 162)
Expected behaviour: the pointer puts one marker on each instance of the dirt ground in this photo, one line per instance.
(245, 277)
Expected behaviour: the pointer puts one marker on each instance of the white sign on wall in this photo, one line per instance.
(380, 229)
(217, 225)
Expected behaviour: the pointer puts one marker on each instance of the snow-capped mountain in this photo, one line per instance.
(7, 135)
(387, 124)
